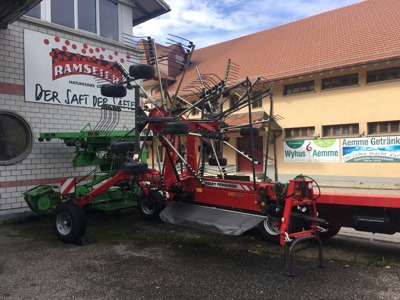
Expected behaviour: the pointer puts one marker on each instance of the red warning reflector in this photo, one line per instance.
(67, 186)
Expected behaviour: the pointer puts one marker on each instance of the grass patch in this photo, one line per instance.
(96, 235)
(105, 234)
(378, 261)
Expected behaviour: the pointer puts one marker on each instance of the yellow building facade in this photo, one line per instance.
(336, 84)
(360, 118)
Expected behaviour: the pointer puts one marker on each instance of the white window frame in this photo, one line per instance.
(45, 9)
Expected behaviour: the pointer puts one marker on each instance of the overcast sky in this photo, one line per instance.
(208, 22)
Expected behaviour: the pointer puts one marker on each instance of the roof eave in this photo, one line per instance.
(11, 11)
(358, 64)
(161, 8)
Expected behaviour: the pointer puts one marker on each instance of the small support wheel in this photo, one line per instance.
(122, 147)
(150, 207)
(134, 168)
(270, 229)
(332, 231)
(68, 222)
(214, 162)
(175, 128)
(141, 71)
(113, 90)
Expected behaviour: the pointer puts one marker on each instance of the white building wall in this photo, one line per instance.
(48, 161)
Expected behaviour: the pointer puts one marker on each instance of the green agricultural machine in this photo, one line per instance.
(92, 148)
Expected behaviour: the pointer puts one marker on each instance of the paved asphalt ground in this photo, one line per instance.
(128, 258)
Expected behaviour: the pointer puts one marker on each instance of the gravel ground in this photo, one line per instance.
(128, 258)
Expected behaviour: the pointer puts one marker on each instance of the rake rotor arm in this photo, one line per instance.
(214, 97)
(217, 160)
(188, 103)
(271, 110)
(185, 67)
(242, 102)
(183, 160)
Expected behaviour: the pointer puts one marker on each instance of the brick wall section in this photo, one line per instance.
(12, 89)
(48, 161)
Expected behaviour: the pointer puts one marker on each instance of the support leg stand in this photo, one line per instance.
(303, 239)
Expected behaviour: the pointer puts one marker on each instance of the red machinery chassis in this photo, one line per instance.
(370, 213)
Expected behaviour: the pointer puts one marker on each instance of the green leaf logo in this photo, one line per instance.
(295, 144)
(325, 143)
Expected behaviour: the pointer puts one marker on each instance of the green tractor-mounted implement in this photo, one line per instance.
(92, 148)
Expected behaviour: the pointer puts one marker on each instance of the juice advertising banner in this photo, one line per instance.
(371, 150)
(321, 150)
(66, 72)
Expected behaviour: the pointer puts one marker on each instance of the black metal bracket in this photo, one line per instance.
(304, 239)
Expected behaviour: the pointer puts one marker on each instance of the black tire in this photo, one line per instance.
(222, 161)
(122, 147)
(134, 168)
(141, 71)
(269, 229)
(246, 131)
(68, 222)
(150, 207)
(332, 231)
(175, 128)
(113, 90)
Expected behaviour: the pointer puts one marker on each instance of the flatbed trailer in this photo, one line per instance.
(376, 213)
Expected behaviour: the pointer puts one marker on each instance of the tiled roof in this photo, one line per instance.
(364, 32)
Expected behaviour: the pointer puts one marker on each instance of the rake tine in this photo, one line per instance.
(102, 118)
(180, 38)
